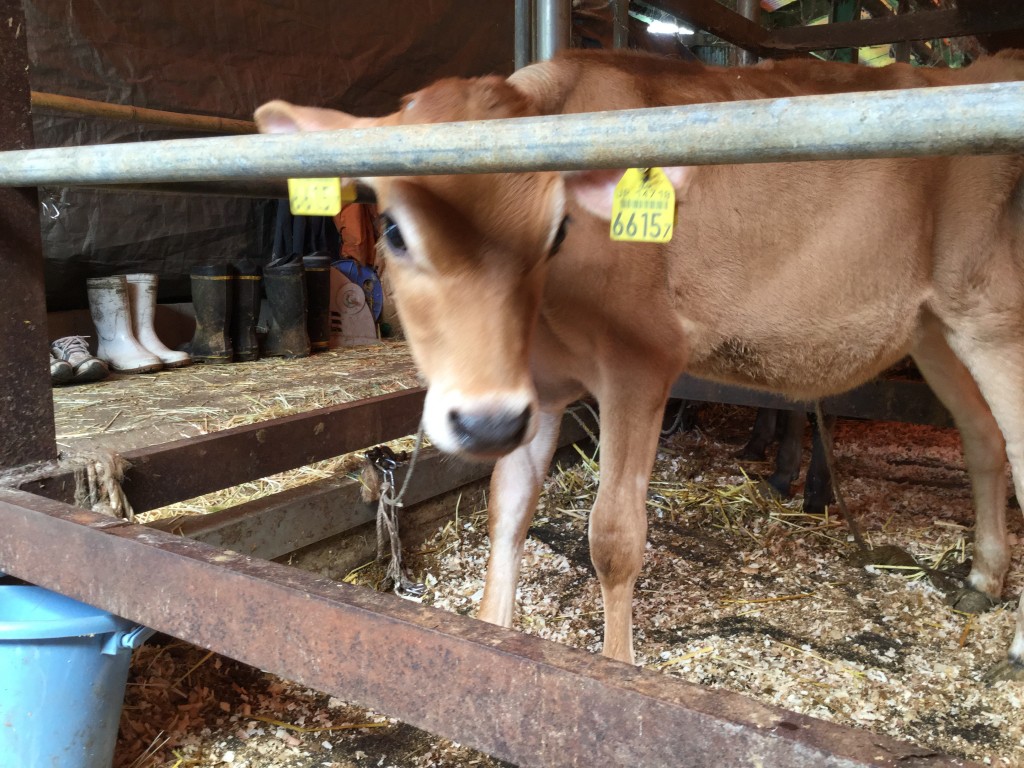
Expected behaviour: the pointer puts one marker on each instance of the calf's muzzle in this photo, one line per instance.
(489, 432)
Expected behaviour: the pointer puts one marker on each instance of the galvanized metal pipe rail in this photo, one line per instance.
(974, 119)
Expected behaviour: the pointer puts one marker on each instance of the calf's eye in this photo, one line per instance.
(559, 237)
(393, 235)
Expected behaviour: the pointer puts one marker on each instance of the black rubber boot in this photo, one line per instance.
(212, 298)
(318, 300)
(286, 299)
(248, 293)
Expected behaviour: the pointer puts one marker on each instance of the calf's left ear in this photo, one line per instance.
(594, 190)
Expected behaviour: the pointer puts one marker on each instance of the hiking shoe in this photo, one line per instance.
(61, 371)
(75, 351)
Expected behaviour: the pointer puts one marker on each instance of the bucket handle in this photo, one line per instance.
(130, 639)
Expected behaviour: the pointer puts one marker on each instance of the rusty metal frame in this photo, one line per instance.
(715, 18)
(285, 522)
(26, 409)
(511, 695)
(881, 400)
(182, 469)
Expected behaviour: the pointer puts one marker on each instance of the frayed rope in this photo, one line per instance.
(98, 476)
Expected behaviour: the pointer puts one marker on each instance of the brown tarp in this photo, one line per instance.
(222, 57)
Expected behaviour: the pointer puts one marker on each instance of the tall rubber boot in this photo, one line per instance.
(286, 299)
(246, 313)
(211, 297)
(110, 307)
(142, 295)
(318, 301)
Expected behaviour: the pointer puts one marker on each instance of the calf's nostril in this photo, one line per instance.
(489, 431)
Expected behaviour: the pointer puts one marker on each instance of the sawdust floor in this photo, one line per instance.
(750, 595)
(737, 593)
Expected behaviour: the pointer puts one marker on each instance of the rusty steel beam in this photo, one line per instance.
(285, 522)
(882, 400)
(26, 403)
(922, 25)
(516, 697)
(183, 469)
(715, 18)
(277, 525)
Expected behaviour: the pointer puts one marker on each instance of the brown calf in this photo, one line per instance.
(805, 279)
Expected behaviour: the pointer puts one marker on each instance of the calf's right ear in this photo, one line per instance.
(595, 190)
(282, 117)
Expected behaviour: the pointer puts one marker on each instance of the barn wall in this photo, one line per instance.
(222, 57)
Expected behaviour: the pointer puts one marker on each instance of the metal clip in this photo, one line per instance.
(386, 461)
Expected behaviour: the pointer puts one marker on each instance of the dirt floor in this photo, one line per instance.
(738, 592)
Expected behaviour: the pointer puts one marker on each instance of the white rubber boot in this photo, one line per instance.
(111, 314)
(142, 296)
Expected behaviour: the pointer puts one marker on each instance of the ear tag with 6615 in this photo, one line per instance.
(643, 207)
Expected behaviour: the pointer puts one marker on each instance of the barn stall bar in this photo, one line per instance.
(467, 668)
(907, 123)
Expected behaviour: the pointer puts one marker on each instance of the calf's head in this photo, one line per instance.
(468, 258)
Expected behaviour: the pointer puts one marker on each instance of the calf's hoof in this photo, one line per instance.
(1007, 669)
(769, 490)
(751, 453)
(970, 600)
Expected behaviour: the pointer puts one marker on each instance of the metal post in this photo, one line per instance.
(553, 19)
(748, 9)
(26, 402)
(906, 123)
(845, 10)
(901, 50)
(524, 33)
(620, 23)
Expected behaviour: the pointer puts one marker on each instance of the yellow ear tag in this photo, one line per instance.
(643, 207)
(314, 197)
(348, 193)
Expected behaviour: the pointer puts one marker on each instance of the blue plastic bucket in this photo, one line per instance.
(63, 671)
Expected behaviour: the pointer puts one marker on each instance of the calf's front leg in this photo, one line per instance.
(515, 487)
(630, 424)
